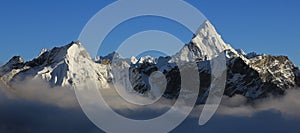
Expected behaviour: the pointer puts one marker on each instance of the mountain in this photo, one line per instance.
(205, 44)
(251, 75)
(63, 66)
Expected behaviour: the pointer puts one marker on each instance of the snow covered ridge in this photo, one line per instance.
(64, 66)
(251, 75)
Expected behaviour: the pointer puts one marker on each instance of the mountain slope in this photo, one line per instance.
(205, 45)
(251, 75)
(64, 66)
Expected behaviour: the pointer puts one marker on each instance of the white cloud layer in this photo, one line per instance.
(288, 105)
(34, 106)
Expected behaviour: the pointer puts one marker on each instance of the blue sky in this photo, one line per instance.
(269, 26)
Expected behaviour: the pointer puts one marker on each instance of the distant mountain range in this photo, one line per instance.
(251, 75)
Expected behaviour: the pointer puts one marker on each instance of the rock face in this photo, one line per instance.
(251, 75)
(264, 75)
(15, 62)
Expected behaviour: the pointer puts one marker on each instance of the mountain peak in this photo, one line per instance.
(108, 58)
(111, 56)
(205, 45)
(14, 63)
(207, 27)
(71, 65)
(147, 59)
(209, 42)
(77, 48)
(77, 43)
(16, 60)
(61, 66)
(58, 54)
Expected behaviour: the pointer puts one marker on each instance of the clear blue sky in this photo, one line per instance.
(264, 26)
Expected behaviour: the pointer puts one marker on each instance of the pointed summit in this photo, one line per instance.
(111, 56)
(209, 42)
(60, 66)
(207, 27)
(205, 45)
(14, 63)
(58, 54)
(16, 60)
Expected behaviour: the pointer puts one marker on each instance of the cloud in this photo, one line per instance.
(39, 109)
(36, 107)
(288, 105)
(39, 90)
(262, 122)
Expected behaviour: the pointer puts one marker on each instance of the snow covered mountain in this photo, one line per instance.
(252, 75)
(205, 45)
(62, 66)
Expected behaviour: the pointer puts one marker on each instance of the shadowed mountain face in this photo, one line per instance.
(251, 75)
